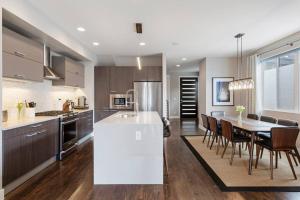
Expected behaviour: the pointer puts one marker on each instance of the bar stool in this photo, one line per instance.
(167, 133)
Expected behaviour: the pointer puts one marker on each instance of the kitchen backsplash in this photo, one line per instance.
(44, 94)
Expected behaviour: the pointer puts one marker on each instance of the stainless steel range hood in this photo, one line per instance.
(49, 73)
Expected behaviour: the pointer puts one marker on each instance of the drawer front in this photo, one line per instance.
(21, 68)
(19, 45)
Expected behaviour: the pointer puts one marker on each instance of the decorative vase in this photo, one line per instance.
(240, 117)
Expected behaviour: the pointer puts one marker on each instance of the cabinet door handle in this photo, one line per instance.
(35, 126)
(30, 135)
(20, 54)
(19, 76)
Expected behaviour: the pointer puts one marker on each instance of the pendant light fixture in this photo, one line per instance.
(139, 31)
(244, 83)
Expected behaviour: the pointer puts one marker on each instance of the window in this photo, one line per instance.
(280, 82)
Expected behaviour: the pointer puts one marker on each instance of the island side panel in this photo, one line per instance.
(128, 154)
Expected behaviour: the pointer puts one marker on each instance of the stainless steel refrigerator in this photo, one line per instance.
(148, 95)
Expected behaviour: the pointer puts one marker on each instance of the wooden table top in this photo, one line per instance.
(250, 125)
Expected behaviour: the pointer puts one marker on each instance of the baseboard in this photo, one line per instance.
(2, 194)
(85, 138)
(174, 117)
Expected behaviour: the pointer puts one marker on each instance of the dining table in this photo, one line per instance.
(251, 127)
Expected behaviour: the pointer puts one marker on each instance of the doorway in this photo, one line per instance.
(189, 97)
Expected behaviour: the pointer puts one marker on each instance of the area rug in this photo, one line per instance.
(235, 177)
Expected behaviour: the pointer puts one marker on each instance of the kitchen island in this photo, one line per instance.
(128, 149)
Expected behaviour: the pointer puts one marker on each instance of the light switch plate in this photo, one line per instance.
(138, 135)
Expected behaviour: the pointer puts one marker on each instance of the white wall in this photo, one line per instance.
(164, 82)
(215, 67)
(174, 91)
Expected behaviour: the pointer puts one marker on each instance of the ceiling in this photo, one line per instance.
(193, 29)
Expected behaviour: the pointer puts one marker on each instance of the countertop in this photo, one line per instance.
(25, 121)
(125, 117)
(28, 121)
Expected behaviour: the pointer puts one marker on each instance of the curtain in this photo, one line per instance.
(252, 98)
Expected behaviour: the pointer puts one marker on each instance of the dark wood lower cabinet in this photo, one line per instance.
(85, 124)
(27, 147)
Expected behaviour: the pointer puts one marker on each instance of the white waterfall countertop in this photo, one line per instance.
(130, 117)
(128, 149)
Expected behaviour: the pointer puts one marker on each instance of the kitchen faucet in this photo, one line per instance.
(136, 104)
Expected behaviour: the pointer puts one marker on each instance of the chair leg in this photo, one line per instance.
(295, 160)
(226, 144)
(218, 146)
(271, 164)
(205, 135)
(249, 149)
(279, 154)
(261, 153)
(232, 153)
(209, 138)
(214, 137)
(297, 153)
(240, 151)
(276, 159)
(291, 164)
(222, 141)
(165, 162)
(257, 155)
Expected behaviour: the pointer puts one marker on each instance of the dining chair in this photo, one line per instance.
(291, 123)
(206, 126)
(253, 116)
(231, 136)
(217, 132)
(266, 135)
(217, 113)
(282, 139)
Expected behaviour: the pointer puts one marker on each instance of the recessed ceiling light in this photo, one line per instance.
(142, 44)
(175, 43)
(96, 43)
(81, 29)
(183, 59)
(177, 65)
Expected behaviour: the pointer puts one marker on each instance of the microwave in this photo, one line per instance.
(118, 101)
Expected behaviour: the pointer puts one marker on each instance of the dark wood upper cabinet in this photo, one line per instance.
(121, 79)
(101, 87)
(140, 75)
(154, 73)
(22, 57)
(71, 72)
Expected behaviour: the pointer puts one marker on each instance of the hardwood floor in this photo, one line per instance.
(188, 180)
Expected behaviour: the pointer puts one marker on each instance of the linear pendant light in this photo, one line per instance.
(245, 83)
(138, 59)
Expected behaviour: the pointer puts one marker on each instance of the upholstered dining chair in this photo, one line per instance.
(231, 136)
(291, 123)
(217, 132)
(253, 116)
(282, 139)
(265, 135)
(206, 126)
